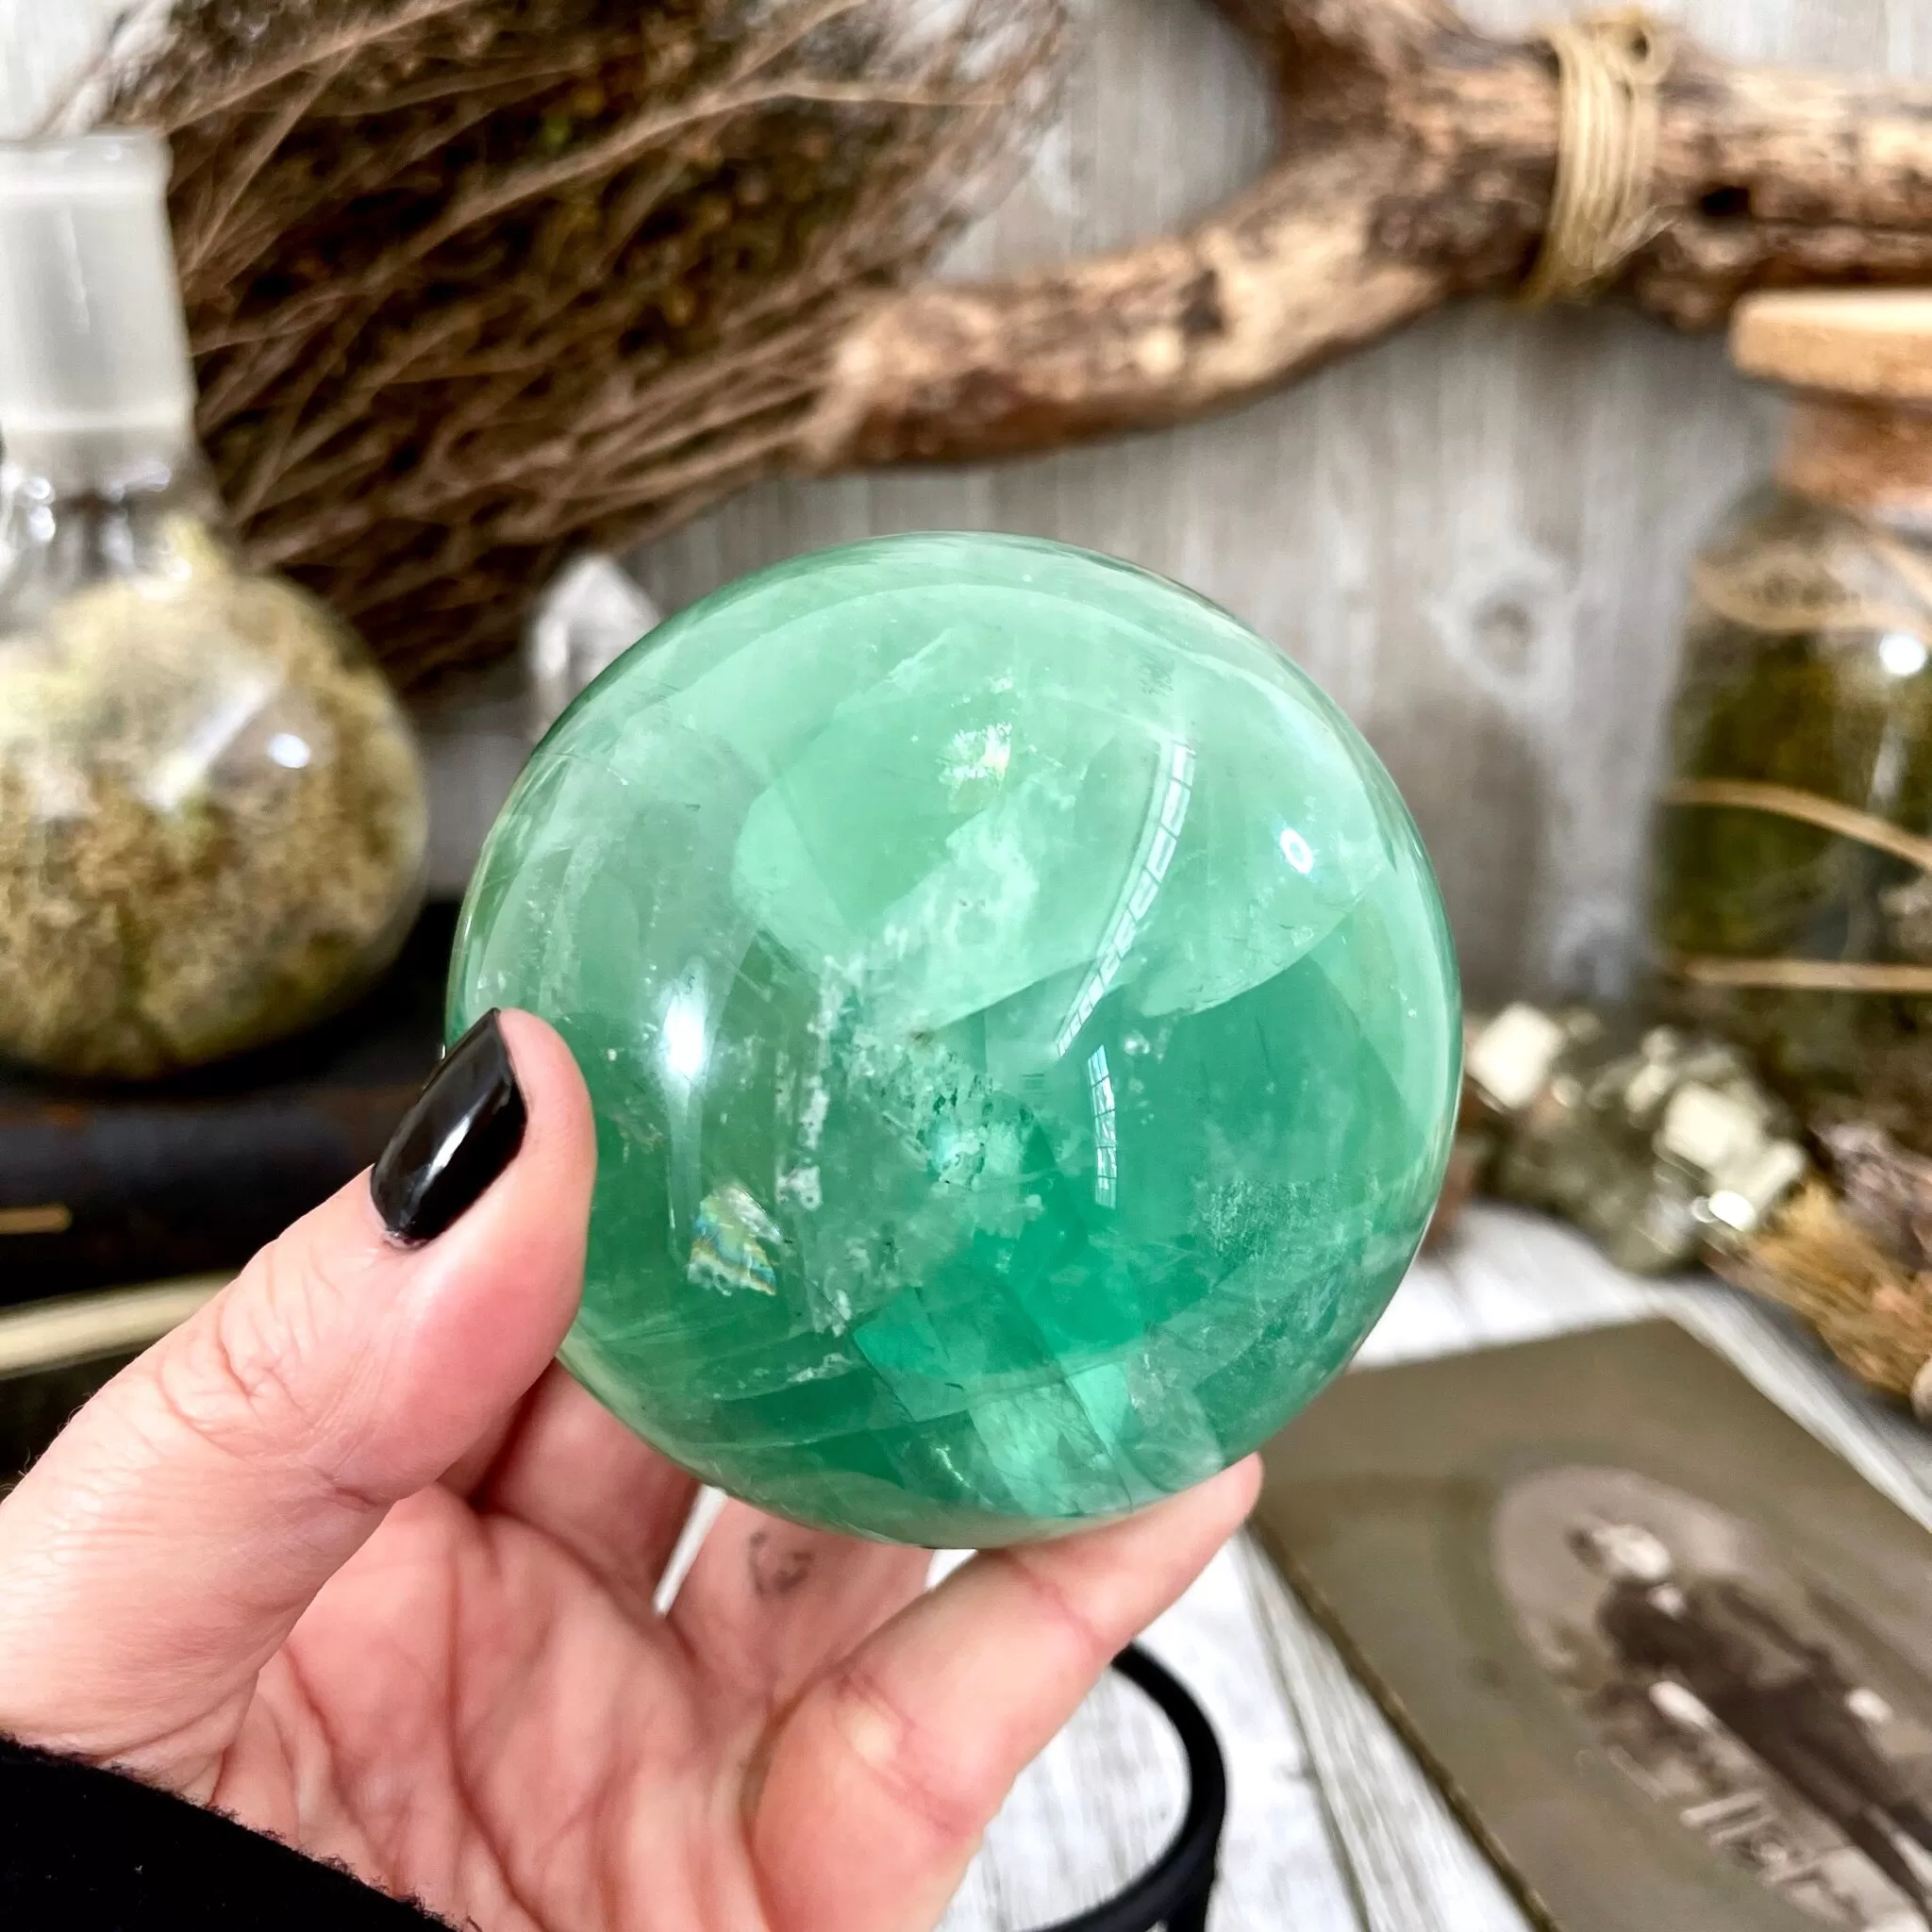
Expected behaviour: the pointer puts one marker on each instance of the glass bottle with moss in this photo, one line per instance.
(211, 807)
(1793, 864)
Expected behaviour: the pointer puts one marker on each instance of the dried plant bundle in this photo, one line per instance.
(470, 284)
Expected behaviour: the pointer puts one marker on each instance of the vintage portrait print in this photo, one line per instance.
(1731, 1687)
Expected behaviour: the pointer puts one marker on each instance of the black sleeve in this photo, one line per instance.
(82, 1849)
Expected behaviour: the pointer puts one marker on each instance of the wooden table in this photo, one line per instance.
(1333, 1827)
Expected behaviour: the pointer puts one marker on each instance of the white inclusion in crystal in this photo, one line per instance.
(820, 1370)
(802, 1184)
(1297, 851)
(1160, 840)
(1106, 1145)
(974, 756)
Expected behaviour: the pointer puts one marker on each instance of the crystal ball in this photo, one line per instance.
(1020, 1023)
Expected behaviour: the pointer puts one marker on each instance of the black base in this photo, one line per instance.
(1173, 1891)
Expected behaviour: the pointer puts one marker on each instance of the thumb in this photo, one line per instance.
(162, 1550)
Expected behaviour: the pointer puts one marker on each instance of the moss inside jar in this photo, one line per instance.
(1792, 904)
(212, 819)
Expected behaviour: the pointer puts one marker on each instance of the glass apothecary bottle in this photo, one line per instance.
(212, 817)
(1792, 907)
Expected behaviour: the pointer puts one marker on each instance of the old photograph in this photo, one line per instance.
(1735, 1689)
(1666, 1656)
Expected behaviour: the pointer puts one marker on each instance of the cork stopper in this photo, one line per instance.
(1874, 343)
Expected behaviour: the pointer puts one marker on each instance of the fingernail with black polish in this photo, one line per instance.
(463, 1132)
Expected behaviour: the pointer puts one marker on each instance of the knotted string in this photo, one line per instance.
(1609, 67)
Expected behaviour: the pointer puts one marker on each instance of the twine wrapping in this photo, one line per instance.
(1602, 208)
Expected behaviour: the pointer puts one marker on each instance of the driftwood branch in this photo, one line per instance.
(1417, 163)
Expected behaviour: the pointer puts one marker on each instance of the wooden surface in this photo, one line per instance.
(1333, 1826)
(1474, 535)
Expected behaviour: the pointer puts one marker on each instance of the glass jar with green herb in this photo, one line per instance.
(1793, 907)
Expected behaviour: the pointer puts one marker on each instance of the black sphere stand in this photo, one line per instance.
(1174, 1891)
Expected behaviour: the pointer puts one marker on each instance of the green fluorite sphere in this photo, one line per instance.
(1020, 1023)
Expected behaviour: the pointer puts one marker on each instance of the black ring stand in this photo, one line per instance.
(1174, 1891)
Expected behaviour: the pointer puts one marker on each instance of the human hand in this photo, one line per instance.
(348, 1557)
